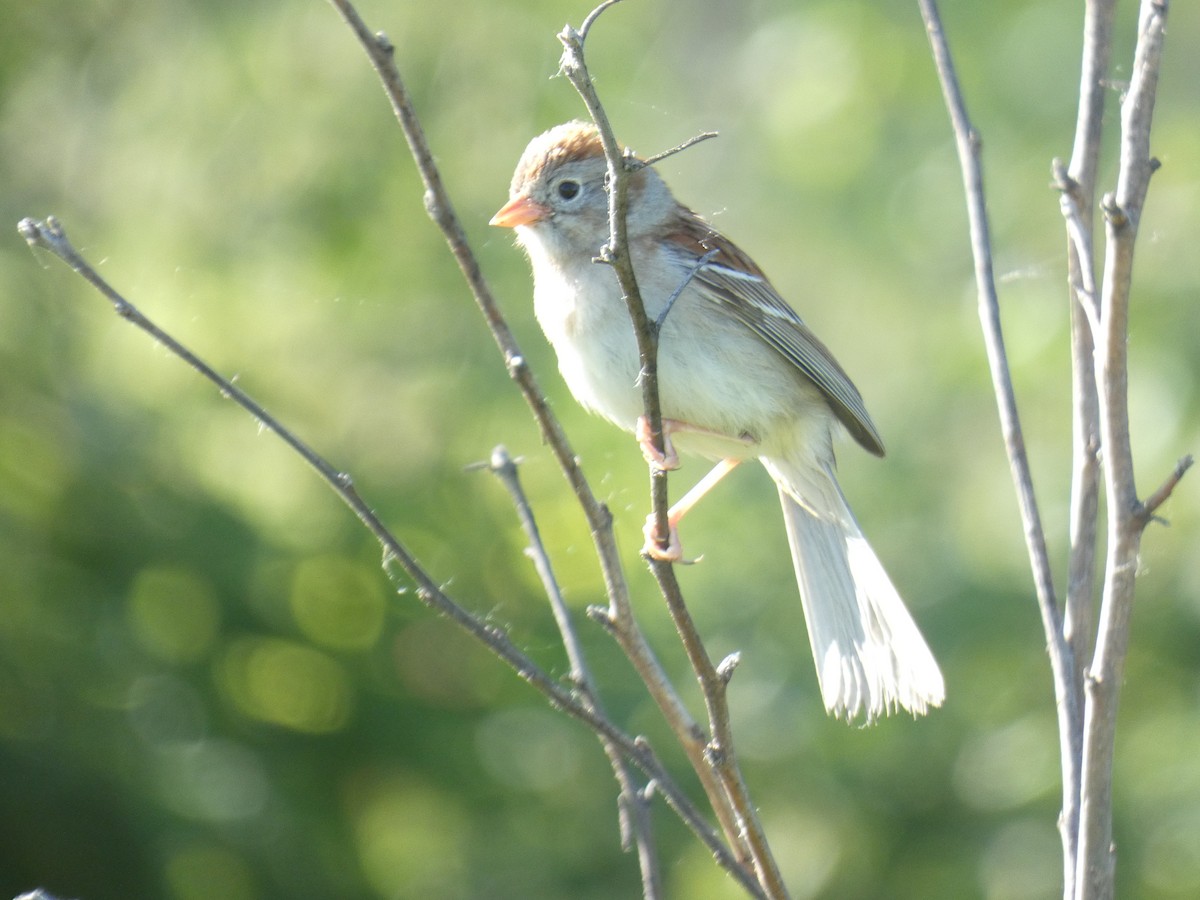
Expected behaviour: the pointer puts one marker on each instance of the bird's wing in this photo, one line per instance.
(739, 288)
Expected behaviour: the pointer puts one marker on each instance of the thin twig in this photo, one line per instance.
(441, 209)
(634, 804)
(592, 17)
(684, 282)
(615, 252)
(1075, 202)
(969, 149)
(1147, 511)
(1062, 664)
(620, 614)
(50, 236)
(746, 830)
(678, 148)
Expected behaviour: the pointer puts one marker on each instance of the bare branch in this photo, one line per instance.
(634, 805)
(1076, 203)
(1077, 187)
(574, 68)
(50, 236)
(1067, 687)
(745, 831)
(969, 150)
(1126, 518)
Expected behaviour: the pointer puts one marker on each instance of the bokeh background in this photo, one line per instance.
(208, 688)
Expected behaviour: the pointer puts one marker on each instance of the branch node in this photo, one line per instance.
(28, 229)
(501, 460)
(579, 684)
(728, 665)
(1113, 211)
(648, 792)
(603, 514)
(714, 753)
(602, 616)
(436, 209)
(1146, 511)
(384, 43)
(1063, 182)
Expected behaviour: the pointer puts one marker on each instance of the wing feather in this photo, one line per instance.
(738, 287)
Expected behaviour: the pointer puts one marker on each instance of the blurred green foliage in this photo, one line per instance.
(208, 689)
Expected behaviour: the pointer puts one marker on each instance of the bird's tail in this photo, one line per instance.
(870, 656)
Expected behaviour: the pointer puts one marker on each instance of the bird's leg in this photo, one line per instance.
(666, 460)
(673, 552)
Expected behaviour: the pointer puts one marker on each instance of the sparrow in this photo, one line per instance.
(740, 377)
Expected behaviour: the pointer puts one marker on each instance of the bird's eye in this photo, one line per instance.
(568, 189)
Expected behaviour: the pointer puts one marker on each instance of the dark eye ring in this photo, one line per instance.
(568, 189)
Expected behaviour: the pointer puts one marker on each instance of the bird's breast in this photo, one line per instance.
(585, 320)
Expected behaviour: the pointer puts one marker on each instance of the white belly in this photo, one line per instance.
(713, 374)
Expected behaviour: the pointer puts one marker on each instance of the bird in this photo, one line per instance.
(740, 377)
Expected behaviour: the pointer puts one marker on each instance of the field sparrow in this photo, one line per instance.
(740, 377)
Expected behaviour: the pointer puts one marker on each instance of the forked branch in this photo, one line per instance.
(621, 621)
(50, 236)
(1067, 687)
(1127, 517)
(1100, 330)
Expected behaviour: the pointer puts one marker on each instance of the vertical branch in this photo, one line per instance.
(616, 252)
(1100, 320)
(970, 146)
(1127, 516)
(636, 830)
(1077, 184)
(1063, 668)
(720, 757)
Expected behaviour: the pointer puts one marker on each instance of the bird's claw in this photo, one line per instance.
(666, 459)
(672, 552)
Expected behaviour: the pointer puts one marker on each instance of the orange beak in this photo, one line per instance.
(519, 211)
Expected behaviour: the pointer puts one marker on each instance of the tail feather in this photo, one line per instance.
(869, 653)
